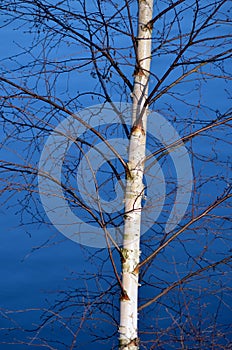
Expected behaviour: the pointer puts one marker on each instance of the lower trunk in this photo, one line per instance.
(131, 244)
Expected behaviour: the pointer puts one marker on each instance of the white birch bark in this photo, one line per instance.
(128, 329)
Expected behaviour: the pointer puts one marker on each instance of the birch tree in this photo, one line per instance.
(171, 57)
(135, 186)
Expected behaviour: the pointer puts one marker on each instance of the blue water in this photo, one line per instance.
(37, 262)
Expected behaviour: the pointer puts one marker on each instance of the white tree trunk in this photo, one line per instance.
(128, 329)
